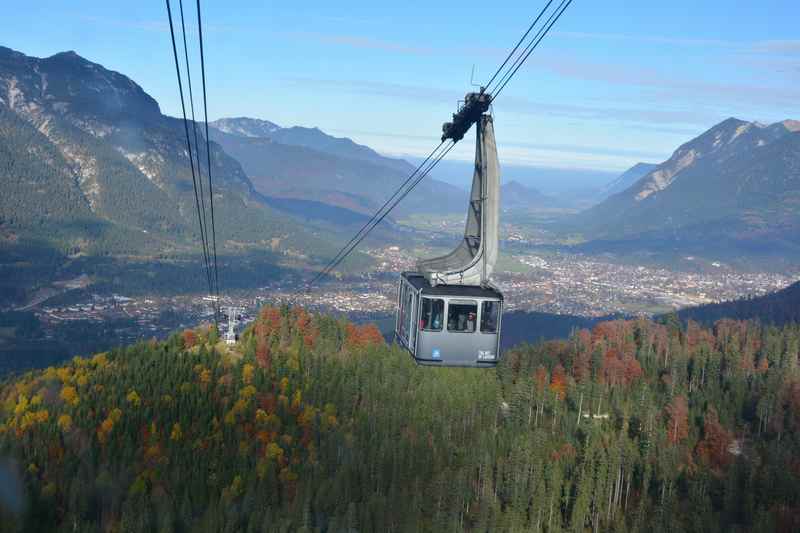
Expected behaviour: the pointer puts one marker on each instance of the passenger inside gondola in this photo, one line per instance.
(461, 316)
(432, 314)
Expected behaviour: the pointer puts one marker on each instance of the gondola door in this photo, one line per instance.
(407, 311)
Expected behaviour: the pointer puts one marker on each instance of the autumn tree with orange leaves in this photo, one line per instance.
(362, 336)
(558, 383)
(189, 338)
(677, 420)
(714, 448)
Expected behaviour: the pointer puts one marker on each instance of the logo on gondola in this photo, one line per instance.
(436, 354)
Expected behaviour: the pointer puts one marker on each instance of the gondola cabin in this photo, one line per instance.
(448, 311)
(448, 325)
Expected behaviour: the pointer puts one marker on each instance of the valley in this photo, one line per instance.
(122, 268)
(556, 284)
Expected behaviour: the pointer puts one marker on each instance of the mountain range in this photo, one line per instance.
(515, 195)
(92, 168)
(91, 164)
(309, 165)
(736, 186)
(312, 138)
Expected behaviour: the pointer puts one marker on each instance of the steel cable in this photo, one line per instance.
(189, 148)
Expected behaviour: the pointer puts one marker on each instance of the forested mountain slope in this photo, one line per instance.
(778, 308)
(627, 178)
(91, 166)
(312, 424)
(308, 164)
(735, 187)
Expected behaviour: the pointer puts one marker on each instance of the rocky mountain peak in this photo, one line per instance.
(245, 126)
(738, 181)
(730, 137)
(69, 55)
(67, 84)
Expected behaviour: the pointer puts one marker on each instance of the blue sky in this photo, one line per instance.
(615, 83)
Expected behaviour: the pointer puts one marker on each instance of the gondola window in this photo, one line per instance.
(462, 316)
(489, 314)
(432, 314)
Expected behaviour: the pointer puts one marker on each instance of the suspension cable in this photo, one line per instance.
(521, 39)
(189, 147)
(194, 128)
(334, 261)
(541, 34)
(208, 151)
(354, 243)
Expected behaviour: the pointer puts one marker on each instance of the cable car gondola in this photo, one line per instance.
(448, 311)
(440, 305)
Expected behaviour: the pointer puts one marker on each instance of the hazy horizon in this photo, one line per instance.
(548, 180)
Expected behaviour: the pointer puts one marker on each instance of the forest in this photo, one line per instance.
(780, 307)
(312, 423)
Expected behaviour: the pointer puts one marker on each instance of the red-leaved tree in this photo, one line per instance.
(713, 449)
(189, 338)
(677, 420)
(558, 383)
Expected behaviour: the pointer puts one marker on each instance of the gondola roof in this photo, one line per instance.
(418, 281)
